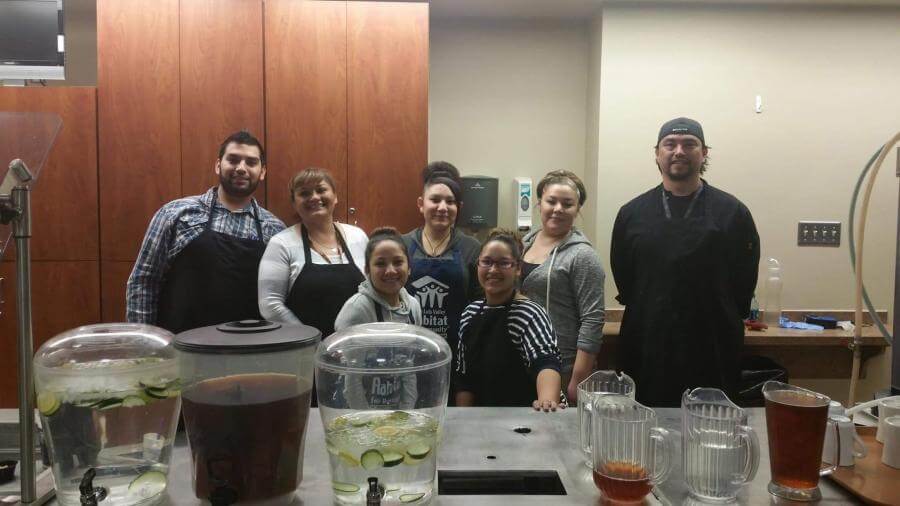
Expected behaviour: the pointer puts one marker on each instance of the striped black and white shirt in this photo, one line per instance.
(529, 329)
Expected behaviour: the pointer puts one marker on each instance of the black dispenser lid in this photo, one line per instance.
(246, 336)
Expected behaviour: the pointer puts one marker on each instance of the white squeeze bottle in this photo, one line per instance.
(772, 311)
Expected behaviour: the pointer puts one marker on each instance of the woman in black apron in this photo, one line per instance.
(507, 354)
(310, 270)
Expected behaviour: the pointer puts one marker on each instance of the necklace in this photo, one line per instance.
(327, 252)
(435, 247)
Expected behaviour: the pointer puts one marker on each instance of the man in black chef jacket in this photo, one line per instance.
(684, 257)
(198, 263)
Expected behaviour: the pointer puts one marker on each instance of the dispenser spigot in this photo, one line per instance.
(375, 492)
(91, 496)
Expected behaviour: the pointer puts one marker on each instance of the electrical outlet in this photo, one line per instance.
(819, 233)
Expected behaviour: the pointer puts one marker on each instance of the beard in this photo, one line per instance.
(683, 175)
(236, 191)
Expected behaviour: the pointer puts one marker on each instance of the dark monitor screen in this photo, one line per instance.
(29, 32)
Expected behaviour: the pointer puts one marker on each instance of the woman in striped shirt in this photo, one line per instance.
(508, 354)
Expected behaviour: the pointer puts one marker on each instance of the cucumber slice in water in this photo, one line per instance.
(344, 488)
(371, 459)
(112, 402)
(391, 488)
(419, 451)
(392, 459)
(408, 498)
(148, 484)
(48, 403)
(133, 401)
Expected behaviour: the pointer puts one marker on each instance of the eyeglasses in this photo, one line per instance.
(488, 262)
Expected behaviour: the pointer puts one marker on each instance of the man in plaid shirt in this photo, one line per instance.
(198, 263)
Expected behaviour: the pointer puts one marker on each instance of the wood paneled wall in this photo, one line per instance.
(388, 111)
(65, 244)
(221, 73)
(340, 85)
(306, 96)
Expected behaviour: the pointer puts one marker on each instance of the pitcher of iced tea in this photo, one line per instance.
(796, 420)
(598, 383)
(631, 453)
(720, 451)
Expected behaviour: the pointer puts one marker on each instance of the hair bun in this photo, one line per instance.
(385, 231)
(436, 170)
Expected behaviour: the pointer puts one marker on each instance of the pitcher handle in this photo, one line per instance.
(859, 446)
(751, 441)
(661, 445)
(586, 426)
(836, 459)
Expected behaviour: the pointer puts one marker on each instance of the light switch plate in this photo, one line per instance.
(819, 233)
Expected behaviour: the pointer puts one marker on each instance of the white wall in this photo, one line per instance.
(828, 78)
(507, 99)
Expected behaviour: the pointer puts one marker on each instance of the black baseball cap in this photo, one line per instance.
(681, 126)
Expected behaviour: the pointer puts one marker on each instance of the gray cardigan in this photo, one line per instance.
(569, 285)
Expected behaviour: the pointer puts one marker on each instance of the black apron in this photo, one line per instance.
(682, 329)
(496, 370)
(320, 290)
(213, 279)
(443, 297)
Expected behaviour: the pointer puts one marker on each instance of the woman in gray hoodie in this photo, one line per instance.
(562, 272)
(382, 297)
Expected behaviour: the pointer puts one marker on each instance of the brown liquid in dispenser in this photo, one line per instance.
(796, 425)
(622, 481)
(246, 434)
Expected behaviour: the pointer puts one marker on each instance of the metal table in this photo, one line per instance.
(483, 439)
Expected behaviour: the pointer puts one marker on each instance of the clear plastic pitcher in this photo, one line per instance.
(720, 451)
(599, 383)
(631, 453)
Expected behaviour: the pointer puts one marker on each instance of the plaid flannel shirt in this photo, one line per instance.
(172, 228)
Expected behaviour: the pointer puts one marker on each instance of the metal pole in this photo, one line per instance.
(895, 349)
(21, 200)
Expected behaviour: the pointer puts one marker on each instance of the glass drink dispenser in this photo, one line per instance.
(247, 388)
(108, 396)
(382, 390)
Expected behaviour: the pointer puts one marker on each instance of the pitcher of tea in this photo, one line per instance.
(599, 383)
(630, 452)
(720, 451)
(796, 419)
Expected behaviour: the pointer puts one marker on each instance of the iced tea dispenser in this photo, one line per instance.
(246, 395)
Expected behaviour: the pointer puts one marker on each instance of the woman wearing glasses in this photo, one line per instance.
(562, 272)
(507, 348)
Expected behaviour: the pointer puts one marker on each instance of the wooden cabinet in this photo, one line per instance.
(221, 78)
(388, 111)
(347, 90)
(306, 96)
(64, 201)
(139, 118)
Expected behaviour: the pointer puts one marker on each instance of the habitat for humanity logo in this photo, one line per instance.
(430, 292)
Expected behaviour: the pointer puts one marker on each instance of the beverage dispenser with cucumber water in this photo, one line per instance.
(382, 391)
(108, 396)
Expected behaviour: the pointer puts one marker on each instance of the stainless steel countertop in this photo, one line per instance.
(471, 434)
